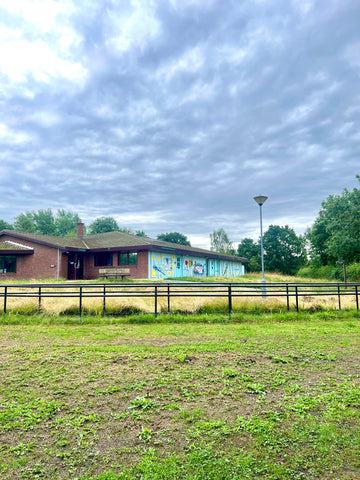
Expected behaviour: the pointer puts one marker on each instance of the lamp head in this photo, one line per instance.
(260, 199)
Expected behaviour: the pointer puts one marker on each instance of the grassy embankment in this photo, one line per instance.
(275, 397)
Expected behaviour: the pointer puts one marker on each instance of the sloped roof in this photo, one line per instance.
(58, 242)
(9, 248)
(116, 240)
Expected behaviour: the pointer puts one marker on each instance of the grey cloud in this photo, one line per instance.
(218, 104)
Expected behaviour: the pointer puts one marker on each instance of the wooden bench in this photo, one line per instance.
(114, 272)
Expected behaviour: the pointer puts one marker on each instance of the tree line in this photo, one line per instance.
(334, 237)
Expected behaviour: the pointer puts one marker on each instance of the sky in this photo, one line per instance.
(171, 115)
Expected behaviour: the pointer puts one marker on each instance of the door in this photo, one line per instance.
(75, 266)
(178, 269)
(210, 267)
(217, 268)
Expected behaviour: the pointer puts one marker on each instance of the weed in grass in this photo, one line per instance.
(142, 403)
(145, 435)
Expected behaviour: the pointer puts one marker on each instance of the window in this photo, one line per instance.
(132, 258)
(7, 263)
(127, 258)
(123, 259)
(103, 259)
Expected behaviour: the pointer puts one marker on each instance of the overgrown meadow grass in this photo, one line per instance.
(263, 396)
(129, 304)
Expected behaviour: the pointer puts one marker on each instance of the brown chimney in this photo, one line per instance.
(80, 229)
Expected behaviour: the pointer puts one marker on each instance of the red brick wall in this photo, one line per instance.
(136, 271)
(42, 264)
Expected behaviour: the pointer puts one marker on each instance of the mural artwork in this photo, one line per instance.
(162, 266)
(194, 267)
(171, 266)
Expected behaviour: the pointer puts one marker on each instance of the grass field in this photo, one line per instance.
(271, 397)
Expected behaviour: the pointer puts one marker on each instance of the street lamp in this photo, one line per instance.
(260, 200)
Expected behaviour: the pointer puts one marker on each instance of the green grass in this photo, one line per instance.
(268, 396)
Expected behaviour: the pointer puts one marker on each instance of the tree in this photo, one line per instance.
(44, 222)
(174, 237)
(250, 250)
(103, 225)
(335, 234)
(66, 223)
(25, 222)
(140, 233)
(284, 251)
(5, 225)
(125, 230)
(220, 242)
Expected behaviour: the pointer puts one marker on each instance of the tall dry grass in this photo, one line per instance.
(124, 304)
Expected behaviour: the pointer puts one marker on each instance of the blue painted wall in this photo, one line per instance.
(165, 265)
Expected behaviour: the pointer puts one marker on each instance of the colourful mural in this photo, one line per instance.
(194, 267)
(231, 269)
(162, 265)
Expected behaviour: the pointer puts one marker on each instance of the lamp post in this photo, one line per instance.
(260, 200)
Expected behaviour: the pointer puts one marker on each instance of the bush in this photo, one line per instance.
(332, 272)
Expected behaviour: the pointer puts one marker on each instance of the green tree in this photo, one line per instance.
(44, 222)
(140, 233)
(335, 234)
(174, 237)
(25, 222)
(220, 242)
(284, 251)
(250, 250)
(66, 223)
(125, 230)
(103, 225)
(5, 225)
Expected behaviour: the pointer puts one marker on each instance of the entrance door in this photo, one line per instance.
(210, 267)
(217, 268)
(75, 266)
(179, 270)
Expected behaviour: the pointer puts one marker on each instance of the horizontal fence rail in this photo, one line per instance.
(291, 292)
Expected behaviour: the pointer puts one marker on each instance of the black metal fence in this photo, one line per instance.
(163, 294)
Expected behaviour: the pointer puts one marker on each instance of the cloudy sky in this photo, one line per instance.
(170, 115)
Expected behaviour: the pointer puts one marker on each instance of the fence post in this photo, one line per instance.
(156, 295)
(297, 298)
(168, 297)
(230, 299)
(104, 299)
(339, 296)
(80, 302)
(287, 297)
(357, 298)
(5, 298)
(39, 299)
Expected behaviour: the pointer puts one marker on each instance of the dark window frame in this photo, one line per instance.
(127, 258)
(104, 259)
(8, 263)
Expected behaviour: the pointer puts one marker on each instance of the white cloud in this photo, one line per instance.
(134, 29)
(42, 14)
(18, 59)
(191, 61)
(11, 136)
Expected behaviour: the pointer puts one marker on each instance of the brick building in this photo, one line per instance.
(30, 255)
